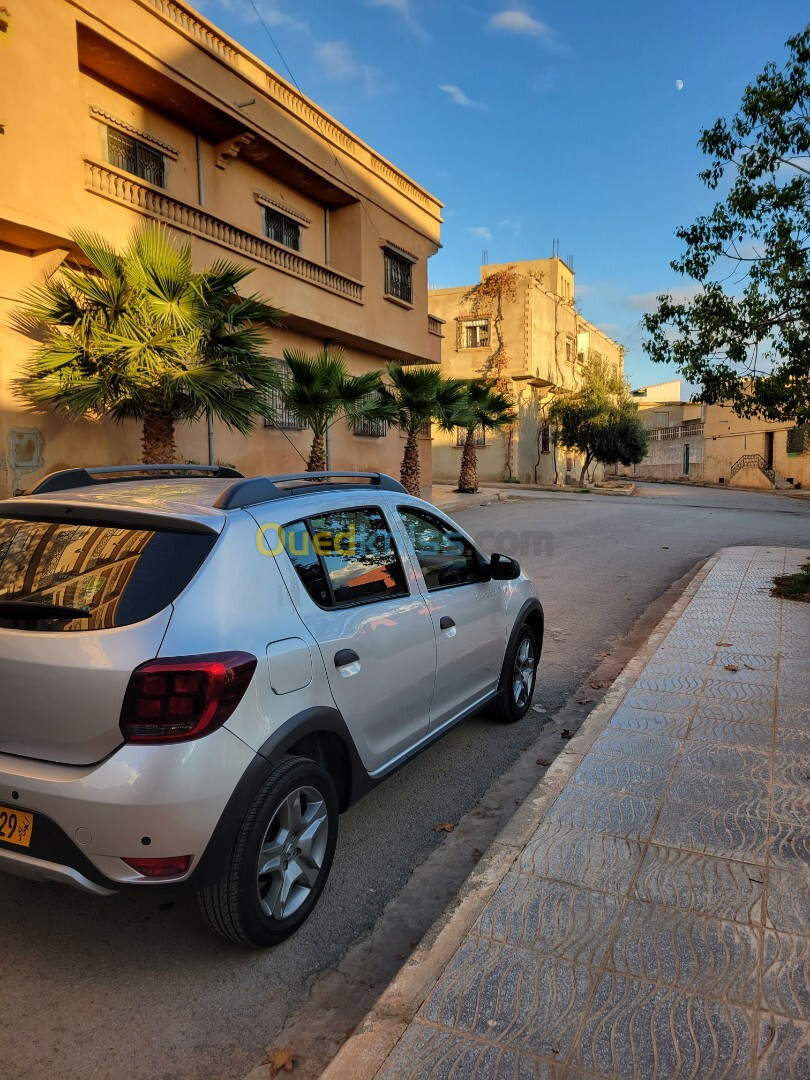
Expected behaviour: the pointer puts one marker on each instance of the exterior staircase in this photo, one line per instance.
(757, 461)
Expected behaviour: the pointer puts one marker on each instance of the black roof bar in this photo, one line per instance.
(259, 489)
(116, 474)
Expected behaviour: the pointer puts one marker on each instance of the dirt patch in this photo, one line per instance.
(793, 586)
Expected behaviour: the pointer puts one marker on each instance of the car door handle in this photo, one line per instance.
(447, 626)
(347, 662)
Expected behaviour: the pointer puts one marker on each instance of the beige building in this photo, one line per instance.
(118, 113)
(754, 453)
(545, 340)
(675, 430)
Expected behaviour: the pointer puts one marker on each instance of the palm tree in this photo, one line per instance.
(322, 392)
(143, 336)
(484, 408)
(416, 396)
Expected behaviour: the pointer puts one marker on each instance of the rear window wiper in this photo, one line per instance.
(30, 609)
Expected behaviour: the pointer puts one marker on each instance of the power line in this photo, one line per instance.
(275, 46)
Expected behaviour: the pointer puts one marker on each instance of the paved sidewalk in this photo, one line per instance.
(657, 923)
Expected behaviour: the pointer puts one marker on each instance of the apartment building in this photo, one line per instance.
(675, 428)
(115, 114)
(544, 339)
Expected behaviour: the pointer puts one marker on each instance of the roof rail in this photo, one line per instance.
(259, 489)
(117, 474)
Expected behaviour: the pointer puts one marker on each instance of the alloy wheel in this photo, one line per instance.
(292, 852)
(523, 673)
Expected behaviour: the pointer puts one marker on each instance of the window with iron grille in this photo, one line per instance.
(425, 430)
(545, 437)
(136, 157)
(282, 229)
(569, 350)
(398, 276)
(474, 333)
(285, 417)
(798, 440)
(480, 436)
(377, 429)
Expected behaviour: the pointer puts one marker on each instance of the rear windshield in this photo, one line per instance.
(119, 575)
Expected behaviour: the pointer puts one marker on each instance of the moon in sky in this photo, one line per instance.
(679, 84)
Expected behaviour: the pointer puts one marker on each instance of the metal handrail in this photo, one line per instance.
(753, 461)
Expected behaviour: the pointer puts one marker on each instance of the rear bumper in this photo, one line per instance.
(142, 801)
(25, 866)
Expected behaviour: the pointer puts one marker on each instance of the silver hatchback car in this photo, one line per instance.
(199, 672)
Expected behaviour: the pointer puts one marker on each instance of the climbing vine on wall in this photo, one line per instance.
(487, 299)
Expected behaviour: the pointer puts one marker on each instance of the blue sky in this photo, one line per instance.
(535, 121)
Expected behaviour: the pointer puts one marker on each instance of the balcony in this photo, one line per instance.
(435, 326)
(676, 431)
(152, 202)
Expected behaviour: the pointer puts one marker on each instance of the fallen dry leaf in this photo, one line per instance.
(604, 654)
(443, 826)
(732, 667)
(280, 1060)
(565, 733)
(724, 644)
(543, 761)
(477, 854)
(598, 685)
(583, 701)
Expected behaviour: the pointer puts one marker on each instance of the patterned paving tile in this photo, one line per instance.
(561, 920)
(750, 735)
(650, 723)
(789, 769)
(433, 1054)
(670, 684)
(660, 748)
(652, 702)
(637, 1029)
(793, 741)
(659, 667)
(725, 835)
(728, 760)
(592, 859)
(711, 957)
(788, 901)
(791, 803)
(611, 812)
(700, 883)
(789, 846)
(783, 1051)
(790, 716)
(720, 792)
(630, 775)
(786, 974)
(511, 996)
(715, 690)
(760, 710)
(748, 676)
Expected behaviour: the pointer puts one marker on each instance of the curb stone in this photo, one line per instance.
(364, 1053)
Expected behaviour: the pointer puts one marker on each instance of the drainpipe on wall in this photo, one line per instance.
(201, 200)
(327, 238)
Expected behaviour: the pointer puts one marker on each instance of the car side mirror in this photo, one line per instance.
(502, 568)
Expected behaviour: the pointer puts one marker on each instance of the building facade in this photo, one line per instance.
(544, 341)
(143, 111)
(675, 431)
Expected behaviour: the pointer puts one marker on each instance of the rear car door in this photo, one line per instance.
(363, 606)
(468, 613)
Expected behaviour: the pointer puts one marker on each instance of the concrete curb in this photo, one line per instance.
(364, 1053)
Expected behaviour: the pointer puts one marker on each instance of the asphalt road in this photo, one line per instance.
(120, 987)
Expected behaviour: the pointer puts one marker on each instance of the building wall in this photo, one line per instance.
(545, 338)
(160, 72)
(730, 437)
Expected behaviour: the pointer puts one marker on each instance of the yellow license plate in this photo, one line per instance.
(16, 826)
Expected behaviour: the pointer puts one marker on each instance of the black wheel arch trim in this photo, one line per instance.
(531, 611)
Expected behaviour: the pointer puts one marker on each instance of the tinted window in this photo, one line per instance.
(445, 556)
(306, 562)
(121, 575)
(356, 551)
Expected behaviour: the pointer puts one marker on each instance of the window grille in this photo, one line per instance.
(376, 428)
(480, 436)
(136, 157)
(474, 333)
(282, 229)
(425, 430)
(285, 417)
(398, 276)
(798, 439)
(569, 350)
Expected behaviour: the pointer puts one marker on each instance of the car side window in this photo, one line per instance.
(348, 556)
(445, 556)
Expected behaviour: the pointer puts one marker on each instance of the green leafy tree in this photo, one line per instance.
(322, 392)
(414, 397)
(599, 419)
(142, 336)
(744, 337)
(483, 408)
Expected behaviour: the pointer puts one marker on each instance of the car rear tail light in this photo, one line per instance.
(173, 866)
(184, 697)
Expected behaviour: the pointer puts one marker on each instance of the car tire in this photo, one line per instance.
(280, 860)
(518, 678)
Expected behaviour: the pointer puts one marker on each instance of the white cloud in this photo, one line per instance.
(458, 97)
(404, 9)
(517, 21)
(479, 231)
(337, 61)
(271, 12)
(647, 302)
